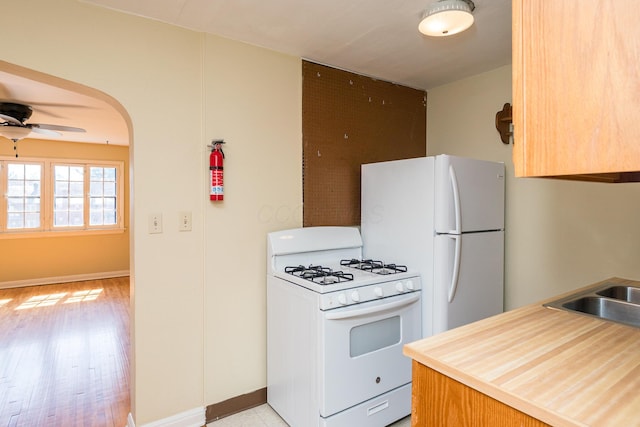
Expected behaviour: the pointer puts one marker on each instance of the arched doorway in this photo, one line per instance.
(79, 256)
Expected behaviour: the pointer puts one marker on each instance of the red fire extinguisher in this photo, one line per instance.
(216, 171)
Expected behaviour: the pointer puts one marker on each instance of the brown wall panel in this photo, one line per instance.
(349, 120)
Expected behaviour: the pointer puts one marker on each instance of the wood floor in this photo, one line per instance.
(64, 354)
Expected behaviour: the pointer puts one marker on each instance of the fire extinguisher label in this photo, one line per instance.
(217, 182)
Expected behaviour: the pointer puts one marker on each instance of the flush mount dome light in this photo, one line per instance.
(447, 17)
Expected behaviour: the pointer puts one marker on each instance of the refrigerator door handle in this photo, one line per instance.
(456, 199)
(456, 268)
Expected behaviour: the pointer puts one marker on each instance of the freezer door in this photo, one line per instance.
(469, 195)
(468, 278)
(397, 211)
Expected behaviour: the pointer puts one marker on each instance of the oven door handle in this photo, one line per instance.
(349, 314)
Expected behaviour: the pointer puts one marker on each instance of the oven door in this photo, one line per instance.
(361, 350)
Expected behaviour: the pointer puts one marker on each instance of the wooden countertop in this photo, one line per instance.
(562, 368)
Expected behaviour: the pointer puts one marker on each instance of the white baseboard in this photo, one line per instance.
(193, 418)
(62, 279)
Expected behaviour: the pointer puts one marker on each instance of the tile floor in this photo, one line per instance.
(264, 416)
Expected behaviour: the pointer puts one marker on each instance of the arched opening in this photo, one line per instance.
(90, 262)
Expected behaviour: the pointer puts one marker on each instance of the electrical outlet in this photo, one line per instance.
(155, 223)
(184, 221)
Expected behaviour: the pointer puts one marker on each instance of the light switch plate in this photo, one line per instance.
(155, 223)
(184, 221)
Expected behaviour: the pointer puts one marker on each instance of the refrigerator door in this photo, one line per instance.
(468, 278)
(469, 195)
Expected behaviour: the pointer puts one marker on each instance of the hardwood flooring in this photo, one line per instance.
(64, 354)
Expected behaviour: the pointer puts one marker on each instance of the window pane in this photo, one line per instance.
(103, 196)
(95, 173)
(15, 204)
(23, 195)
(76, 189)
(16, 188)
(15, 220)
(109, 188)
(76, 203)
(32, 204)
(95, 188)
(96, 203)
(62, 188)
(96, 218)
(68, 196)
(75, 219)
(61, 204)
(61, 219)
(76, 173)
(32, 220)
(62, 173)
(32, 188)
(15, 171)
(32, 172)
(110, 217)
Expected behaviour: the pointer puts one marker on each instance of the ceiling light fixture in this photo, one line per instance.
(14, 133)
(447, 17)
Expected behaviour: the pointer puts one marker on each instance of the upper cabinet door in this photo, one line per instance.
(576, 87)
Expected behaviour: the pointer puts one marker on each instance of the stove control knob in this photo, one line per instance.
(342, 299)
(355, 296)
(399, 287)
(378, 292)
(409, 285)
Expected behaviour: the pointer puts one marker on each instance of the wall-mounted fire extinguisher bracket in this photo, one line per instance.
(216, 170)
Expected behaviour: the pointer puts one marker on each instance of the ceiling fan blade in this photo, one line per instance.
(4, 92)
(42, 126)
(44, 131)
(10, 119)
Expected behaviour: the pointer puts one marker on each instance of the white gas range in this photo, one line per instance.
(336, 325)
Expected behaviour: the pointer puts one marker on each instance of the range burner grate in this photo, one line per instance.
(319, 274)
(377, 267)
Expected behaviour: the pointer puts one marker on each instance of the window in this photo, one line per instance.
(23, 196)
(43, 195)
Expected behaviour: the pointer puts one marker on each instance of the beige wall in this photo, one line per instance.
(66, 256)
(191, 312)
(253, 101)
(559, 234)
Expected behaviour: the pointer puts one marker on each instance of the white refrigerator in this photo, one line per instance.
(444, 217)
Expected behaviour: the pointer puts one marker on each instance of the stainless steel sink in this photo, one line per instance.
(609, 301)
(624, 293)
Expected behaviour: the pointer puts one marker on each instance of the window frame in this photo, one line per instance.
(47, 199)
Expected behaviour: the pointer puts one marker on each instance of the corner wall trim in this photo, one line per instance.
(236, 404)
(63, 279)
(191, 418)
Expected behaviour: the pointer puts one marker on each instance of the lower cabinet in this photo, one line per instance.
(440, 401)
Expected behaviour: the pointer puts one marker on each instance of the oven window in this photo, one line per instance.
(374, 336)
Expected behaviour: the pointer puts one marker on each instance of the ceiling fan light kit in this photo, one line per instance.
(14, 132)
(447, 17)
(14, 127)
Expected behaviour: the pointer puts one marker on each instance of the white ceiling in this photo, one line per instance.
(377, 38)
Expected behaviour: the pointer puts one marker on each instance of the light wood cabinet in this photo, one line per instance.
(440, 401)
(576, 88)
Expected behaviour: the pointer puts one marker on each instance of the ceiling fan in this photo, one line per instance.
(14, 127)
